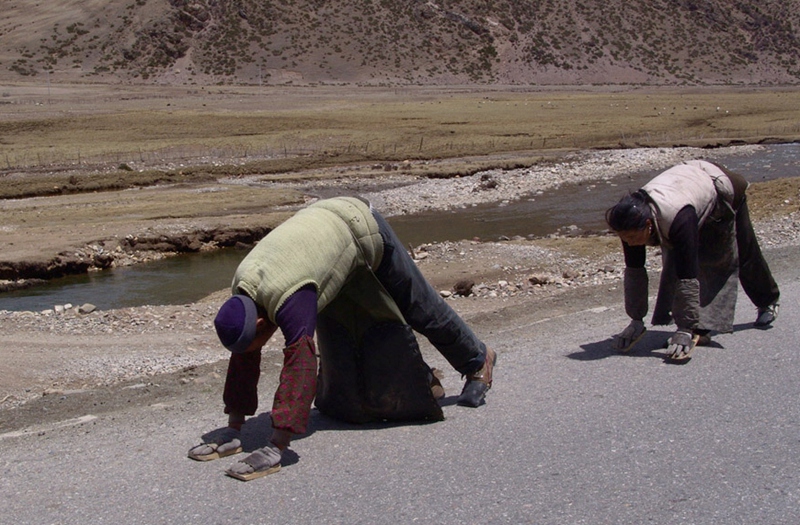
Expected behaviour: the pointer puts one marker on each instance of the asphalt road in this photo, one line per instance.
(572, 433)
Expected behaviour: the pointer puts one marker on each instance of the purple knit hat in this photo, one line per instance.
(236, 323)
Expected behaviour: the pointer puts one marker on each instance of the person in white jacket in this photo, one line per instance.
(696, 212)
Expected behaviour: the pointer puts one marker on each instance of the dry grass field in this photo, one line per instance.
(136, 135)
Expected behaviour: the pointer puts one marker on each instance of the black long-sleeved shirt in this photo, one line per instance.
(685, 239)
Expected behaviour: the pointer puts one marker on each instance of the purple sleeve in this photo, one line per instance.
(297, 317)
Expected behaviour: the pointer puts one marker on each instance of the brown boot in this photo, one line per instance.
(478, 382)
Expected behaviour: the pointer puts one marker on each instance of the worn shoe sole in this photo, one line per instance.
(687, 355)
(254, 475)
(702, 340)
(633, 342)
(213, 455)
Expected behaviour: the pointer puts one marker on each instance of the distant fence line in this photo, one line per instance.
(143, 159)
(203, 154)
(155, 159)
(427, 146)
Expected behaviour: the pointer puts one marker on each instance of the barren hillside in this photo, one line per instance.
(391, 42)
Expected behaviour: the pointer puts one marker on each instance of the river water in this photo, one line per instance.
(187, 278)
(581, 205)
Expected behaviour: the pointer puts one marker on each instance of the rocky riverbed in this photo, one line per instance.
(504, 186)
(63, 351)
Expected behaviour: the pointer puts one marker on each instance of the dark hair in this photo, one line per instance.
(630, 213)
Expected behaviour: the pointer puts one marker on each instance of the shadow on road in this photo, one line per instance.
(750, 326)
(257, 432)
(650, 346)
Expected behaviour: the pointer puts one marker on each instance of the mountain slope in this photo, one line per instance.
(395, 42)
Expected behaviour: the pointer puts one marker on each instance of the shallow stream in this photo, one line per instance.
(187, 278)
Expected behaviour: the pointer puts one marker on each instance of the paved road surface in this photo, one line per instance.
(572, 433)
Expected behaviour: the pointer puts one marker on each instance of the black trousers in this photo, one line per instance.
(423, 308)
(754, 273)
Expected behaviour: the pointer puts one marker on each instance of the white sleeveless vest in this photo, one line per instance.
(695, 183)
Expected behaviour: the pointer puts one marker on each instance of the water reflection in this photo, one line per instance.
(188, 278)
(176, 280)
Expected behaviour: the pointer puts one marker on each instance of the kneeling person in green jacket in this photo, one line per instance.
(338, 271)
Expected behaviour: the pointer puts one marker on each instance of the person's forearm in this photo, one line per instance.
(686, 305)
(298, 384)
